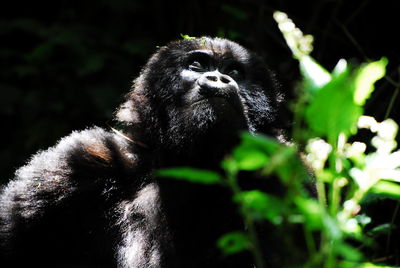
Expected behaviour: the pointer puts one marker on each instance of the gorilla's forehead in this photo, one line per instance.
(221, 48)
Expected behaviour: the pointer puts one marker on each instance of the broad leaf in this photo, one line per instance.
(249, 158)
(333, 111)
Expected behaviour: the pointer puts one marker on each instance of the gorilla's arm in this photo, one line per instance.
(67, 188)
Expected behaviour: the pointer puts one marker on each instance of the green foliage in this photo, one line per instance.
(260, 205)
(328, 115)
(354, 86)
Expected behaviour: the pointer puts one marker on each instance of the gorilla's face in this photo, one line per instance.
(203, 89)
(210, 87)
(209, 95)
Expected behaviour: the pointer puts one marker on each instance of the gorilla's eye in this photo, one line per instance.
(234, 71)
(196, 66)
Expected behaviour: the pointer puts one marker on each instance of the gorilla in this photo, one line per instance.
(93, 200)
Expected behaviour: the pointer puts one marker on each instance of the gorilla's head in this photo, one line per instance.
(201, 91)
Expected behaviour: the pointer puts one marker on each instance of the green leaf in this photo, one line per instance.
(230, 166)
(191, 175)
(371, 265)
(254, 150)
(337, 105)
(261, 205)
(315, 76)
(333, 111)
(312, 212)
(288, 166)
(331, 227)
(187, 37)
(233, 242)
(381, 229)
(365, 79)
(347, 251)
(249, 158)
(267, 144)
(387, 188)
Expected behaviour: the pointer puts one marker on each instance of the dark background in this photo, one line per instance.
(65, 65)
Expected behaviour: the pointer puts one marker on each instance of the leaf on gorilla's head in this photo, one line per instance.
(191, 175)
(187, 37)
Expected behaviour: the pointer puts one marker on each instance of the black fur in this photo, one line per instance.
(91, 200)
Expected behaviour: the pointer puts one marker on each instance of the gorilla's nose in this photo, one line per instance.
(217, 76)
(212, 82)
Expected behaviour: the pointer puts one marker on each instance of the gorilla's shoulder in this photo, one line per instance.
(92, 152)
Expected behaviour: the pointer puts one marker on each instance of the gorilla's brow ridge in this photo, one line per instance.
(201, 52)
(216, 55)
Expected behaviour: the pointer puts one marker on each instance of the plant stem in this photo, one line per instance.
(249, 223)
(309, 241)
(335, 198)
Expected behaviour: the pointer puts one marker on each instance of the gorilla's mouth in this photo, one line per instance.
(212, 99)
(231, 100)
(222, 105)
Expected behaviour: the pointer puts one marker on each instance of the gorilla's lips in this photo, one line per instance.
(211, 100)
(220, 104)
(217, 96)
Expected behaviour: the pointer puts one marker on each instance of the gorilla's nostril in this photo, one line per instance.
(212, 78)
(225, 80)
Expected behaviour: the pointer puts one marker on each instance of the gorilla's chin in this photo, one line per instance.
(210, 127)
(215, 112)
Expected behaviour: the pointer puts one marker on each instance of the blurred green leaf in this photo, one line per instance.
(314, 75)
(331, 228)
(40, 52)
(254, 150)
(312, 212)
(249, 158)
(387, 188)
(337, 105)
(347, 252)
(333, 110)
(191, 175)
(381, 229)
(288, 166)
(366, 77)
(261, 205)
(371, 265)
(232, 243)
(265, 143)
(230, 165)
